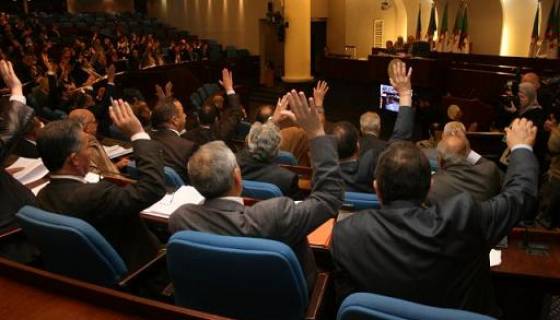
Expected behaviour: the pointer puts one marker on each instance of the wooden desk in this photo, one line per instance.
(29, 293)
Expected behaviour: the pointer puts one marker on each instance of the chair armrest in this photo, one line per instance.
(317, 296)
(10, 233)
(151, 265)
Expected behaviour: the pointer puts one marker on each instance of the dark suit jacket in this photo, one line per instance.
(223, 129)
(358, 174)
(176, 151)
(437, 255)
(113, 210)
(279, 218)
(371, 142)
(27, 149)
(482, 181)
(252, 169)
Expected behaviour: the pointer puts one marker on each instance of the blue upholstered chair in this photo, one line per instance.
(287, 158)
(361, 201)
(172, 178)
(260, 190)
(369, 306)
(72, 247)
(239, 277)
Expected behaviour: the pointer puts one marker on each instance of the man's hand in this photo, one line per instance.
(227, 80)
(124, 119)
(521, 132)
(400, 80)
(159, 93)
(304, 113)
(319, 93)
(10, 78)
(111, 70)
(279, 112)
(169, 89)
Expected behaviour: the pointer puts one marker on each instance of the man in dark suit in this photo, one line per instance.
(370, 126)
(112, 210)
(15, 117)
(482, 180)
(432, 255)
(256, 160)
(168, 120)
(215, 174)
(213, 126)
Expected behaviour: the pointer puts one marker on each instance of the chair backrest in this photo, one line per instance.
(287, 158)
(361, 201)
(72, 247)
(369, 306)
(172, 178)
(239, 277)
(260, 190)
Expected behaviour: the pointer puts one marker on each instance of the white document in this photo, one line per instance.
(116, 151)
(39, 187)
(171, 202)
(29, 170)
(495, 258)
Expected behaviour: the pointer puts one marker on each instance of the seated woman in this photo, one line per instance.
(256, 160)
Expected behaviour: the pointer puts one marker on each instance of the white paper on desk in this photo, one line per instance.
(171, 202)
(39, 187)
(33, 170)
(116, 151)
(495, 258)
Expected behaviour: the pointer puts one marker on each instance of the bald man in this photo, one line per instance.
(457, 174)
(544, 95)
(99, 161)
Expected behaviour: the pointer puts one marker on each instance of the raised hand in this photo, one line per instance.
(169, 89)
(227, 80)
(124, 119)
(159, 93)
(10, 78)
(111, 70)
(279, 113)
(400, 80)
(304, 113)
(319, 93)
(521, 131)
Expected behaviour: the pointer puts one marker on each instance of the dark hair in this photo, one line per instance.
(163, 113)
(57, 141)
(346, 136)
(403, 173)
(263, 113)
(207, 114)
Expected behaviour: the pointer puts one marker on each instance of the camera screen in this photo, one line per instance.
(388, 98)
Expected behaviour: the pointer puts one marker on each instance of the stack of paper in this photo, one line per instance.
(116, 151)
(27, 170)
(495, 257)
(171, 202)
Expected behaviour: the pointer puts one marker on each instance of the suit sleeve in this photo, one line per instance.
(230, 119)
(293, 222)
(501, 213)
(15, 117)
(404, 126)
(149, 189)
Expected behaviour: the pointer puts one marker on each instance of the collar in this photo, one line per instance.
(473, 157)
(68, 177)
(235, 199)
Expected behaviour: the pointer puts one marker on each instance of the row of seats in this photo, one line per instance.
(196, 261)
(200, 96)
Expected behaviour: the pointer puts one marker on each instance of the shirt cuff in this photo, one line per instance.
(230, 92)
(18, 98)
(140, 136)
(111, 84)
(522, 146)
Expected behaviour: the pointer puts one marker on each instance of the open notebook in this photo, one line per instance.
(27, 170)
(171, 202)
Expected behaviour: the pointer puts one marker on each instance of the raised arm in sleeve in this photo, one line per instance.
(404, 125)
(15, 117)
(230, 119)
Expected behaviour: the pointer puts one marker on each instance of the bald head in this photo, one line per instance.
(86, 119)
(532, 78)
(452, 149)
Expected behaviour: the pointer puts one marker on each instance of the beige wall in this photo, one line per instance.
(75, 6)
(336, 26)
(230, 22)
(319, 8)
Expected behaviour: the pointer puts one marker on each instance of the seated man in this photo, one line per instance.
(370, 126)
(212, 126)
(215, 174)
(99, 160)
(168, 120)
(456, 174)
(256, 160)
(112, 210)
(434, 255)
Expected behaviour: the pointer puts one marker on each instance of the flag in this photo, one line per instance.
(432, 27)
(535, 35)
(453, 43)
(464, 43)
(419, 24)
(443, 33)
(550, 39)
